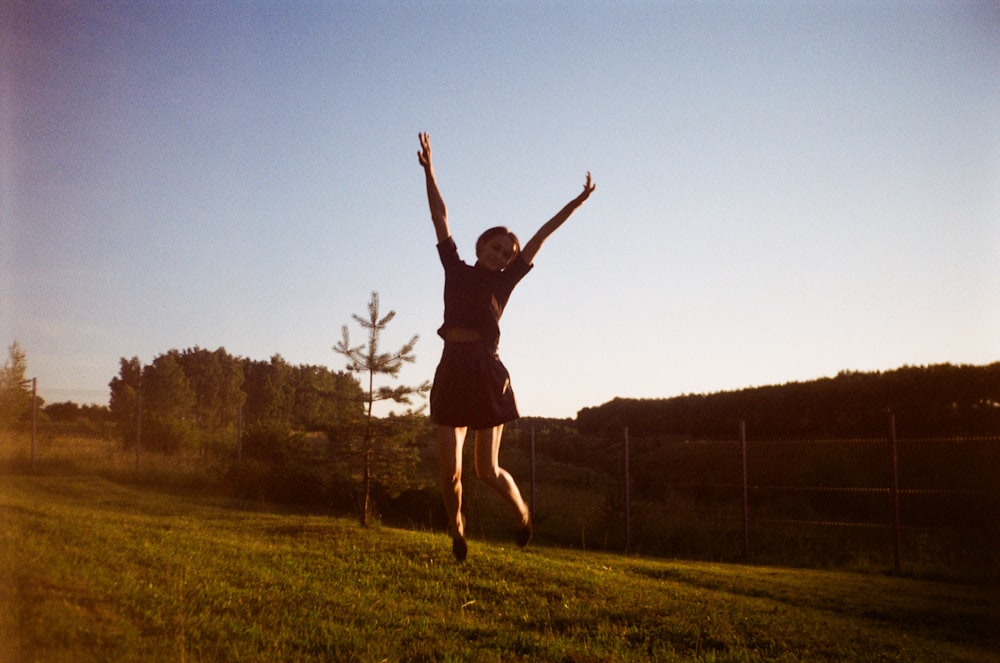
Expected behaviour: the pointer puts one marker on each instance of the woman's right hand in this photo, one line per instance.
(424, 155)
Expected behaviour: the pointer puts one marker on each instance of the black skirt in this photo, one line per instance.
(472, 388)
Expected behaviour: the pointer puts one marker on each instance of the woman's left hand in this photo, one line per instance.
(588, 188)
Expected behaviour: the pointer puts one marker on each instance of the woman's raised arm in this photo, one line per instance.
(439, 213)
(550, 226)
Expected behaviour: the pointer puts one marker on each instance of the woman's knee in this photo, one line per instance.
(487, 471)
(485, 474)
(451, 476)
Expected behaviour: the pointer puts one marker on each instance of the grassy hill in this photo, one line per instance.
(92, 570)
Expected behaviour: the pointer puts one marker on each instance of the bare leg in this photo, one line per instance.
(489, 471)
(450, 443)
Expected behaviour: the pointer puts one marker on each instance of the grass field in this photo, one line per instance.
(95, 570)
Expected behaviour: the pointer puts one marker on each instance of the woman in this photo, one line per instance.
(471, 386)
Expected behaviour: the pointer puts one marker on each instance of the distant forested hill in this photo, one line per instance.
(936, 400)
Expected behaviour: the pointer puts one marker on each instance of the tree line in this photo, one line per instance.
(199, 400)
(308, 433)
(927, 401)
(308, 436)
(291, 433)
(195, 399)
(20, 405)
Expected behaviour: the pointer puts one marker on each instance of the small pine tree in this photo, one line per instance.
(367, 358)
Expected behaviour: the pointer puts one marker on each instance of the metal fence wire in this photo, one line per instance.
(904, 498)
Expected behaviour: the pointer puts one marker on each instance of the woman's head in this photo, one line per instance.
(496, 248)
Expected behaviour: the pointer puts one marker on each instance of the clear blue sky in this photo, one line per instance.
(785, 190)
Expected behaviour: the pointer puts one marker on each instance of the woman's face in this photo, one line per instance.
(496, 252)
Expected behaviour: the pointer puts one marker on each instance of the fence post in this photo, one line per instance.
(746, 491)
(34, 419)
(239, 435)
(532, 473)
(138, 429)
(628, 498)
(896, 520)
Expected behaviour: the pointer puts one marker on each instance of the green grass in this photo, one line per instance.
(93, 570)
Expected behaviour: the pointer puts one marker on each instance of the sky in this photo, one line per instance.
(785, 190)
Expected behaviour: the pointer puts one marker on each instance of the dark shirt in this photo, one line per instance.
(474, 297)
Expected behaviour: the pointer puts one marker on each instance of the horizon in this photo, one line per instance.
(387, 406)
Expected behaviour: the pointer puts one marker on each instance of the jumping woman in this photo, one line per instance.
(471, 386)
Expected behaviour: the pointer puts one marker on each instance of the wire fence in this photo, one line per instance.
(903, 502)
(901, 496)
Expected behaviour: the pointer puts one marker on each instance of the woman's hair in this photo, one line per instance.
(494, 232)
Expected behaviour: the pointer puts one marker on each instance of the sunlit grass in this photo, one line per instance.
(95, 571)
(61, 454)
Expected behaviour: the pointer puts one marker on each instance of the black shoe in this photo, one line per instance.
(459, 548)
(524, 534)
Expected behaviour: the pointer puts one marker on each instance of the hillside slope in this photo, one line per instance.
(94, 571)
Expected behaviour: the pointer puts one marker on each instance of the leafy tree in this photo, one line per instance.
(303, 398)
(216, 379)
(67, 412)
(15, 390)
(167, 401)
(193, 398)
(325, 400)
(124, 404)
(87, 418)
(380, 438)
(270, 392)
(168, 406)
